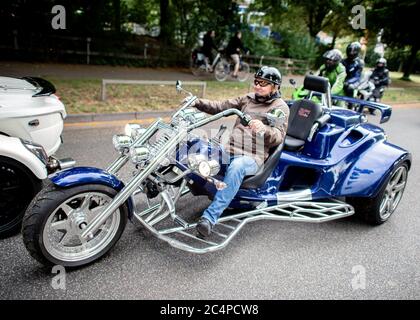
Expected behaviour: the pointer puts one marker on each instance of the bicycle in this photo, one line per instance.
(224, 68)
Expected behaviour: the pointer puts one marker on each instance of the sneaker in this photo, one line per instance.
(204, 227)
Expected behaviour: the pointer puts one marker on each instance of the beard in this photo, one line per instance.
(270, 96)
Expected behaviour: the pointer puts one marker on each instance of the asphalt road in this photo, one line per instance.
(266, 260)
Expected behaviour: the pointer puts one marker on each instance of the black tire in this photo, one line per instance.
(243, 73)
(370, 209)
(18, 186)
(221, 70)
(44, 205)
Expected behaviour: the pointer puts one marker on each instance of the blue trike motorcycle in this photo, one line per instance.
(332, 164)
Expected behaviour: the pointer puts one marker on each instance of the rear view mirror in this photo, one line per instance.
(292, 82)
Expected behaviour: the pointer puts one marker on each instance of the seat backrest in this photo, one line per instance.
(303, 114)
(316, 83)
(264, 171)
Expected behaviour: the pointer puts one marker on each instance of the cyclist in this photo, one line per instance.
(233, 49)
(208, 45)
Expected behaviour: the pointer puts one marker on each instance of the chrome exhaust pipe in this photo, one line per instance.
(66, 163)
(55, 164)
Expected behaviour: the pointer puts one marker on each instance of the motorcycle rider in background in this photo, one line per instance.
(208, 45)
(354, 68)
(334, 71)
(380, 77)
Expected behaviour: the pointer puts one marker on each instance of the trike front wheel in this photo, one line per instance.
(55, 219)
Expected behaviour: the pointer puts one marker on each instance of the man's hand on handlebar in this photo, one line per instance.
(257, 126)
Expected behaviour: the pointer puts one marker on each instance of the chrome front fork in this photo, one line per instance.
(124, 157)
(131, 187)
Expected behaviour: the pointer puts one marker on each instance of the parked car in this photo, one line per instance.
(31, 123)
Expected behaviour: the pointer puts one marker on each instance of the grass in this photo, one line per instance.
(396, 80)
(83, 95)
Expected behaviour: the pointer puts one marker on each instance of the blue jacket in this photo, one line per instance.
(354, 70)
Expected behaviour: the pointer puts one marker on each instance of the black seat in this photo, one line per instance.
(304, 114)
(264, 171)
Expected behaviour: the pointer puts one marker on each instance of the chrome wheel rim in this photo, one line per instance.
(61, 234)
(393, 193)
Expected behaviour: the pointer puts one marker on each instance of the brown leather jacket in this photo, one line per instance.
(242, 140)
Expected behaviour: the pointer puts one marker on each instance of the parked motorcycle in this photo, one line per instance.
(331, 165)
(31, 122)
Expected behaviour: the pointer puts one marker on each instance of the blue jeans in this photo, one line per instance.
(239, 167)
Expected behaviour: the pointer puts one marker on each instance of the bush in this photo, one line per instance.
(258, 45)
(298, 46)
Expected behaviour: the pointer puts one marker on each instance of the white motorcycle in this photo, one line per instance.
(31, 123)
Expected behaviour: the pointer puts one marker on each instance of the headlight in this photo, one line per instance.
(121, 142)
(139, 154)
(134, 130)
(37, 150)
(194, 160)
(208, 168)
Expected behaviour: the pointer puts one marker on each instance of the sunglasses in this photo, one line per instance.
(261, 83)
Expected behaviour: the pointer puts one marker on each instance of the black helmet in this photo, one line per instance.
(353, 50)
(269, 74)
(381, 61)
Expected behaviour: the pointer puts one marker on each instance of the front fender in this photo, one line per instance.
(369, 172)
(90, 175)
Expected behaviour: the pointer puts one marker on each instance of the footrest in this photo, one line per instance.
(186, 237)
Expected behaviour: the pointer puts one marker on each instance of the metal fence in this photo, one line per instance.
(146, 51)
(286, 65)
(105, 82)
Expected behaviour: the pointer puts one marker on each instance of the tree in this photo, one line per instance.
(166, 22)
(398, 20)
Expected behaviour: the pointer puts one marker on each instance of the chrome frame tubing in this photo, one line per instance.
(192, 99)
(222, 114)
(290, 211)
(128, 190)
(123, 158)
(328, 97)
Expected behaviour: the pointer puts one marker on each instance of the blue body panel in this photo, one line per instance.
(348, 158)
(89, 175)
(385, 109)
